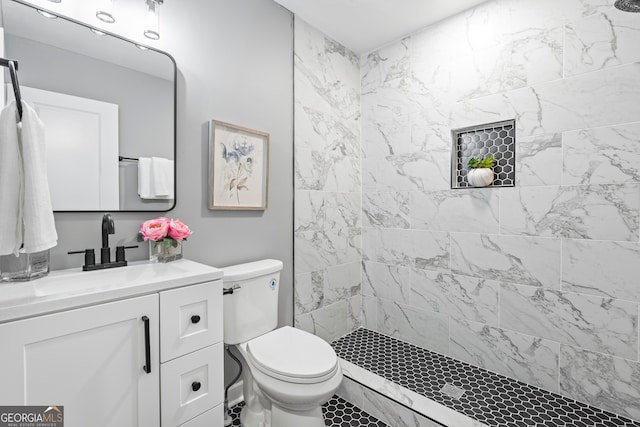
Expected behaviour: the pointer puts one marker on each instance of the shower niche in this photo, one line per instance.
(480, 141)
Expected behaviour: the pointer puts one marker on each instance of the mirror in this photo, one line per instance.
(108, 106)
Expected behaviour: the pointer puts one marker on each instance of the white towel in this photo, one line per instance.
(26, 215)
(39, 225)
(155, 178)
(10, 183)
(144, 178)
(162, 177)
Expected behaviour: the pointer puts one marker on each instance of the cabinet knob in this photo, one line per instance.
(195, 386)
(195, 319)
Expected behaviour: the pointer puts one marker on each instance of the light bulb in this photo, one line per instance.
(152, 29)
(104, 11)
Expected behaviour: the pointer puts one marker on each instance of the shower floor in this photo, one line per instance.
(337, 413)
(484, 396)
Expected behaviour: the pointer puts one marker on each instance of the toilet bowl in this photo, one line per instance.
(287, 373)
(293, 374)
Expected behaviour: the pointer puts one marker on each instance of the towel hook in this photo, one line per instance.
(16, 86)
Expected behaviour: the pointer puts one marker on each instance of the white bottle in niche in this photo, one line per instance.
(480, 177)
(480, 172)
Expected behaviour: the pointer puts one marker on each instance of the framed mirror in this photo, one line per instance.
(108, 106)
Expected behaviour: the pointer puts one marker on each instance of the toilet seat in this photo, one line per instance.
(292, 355)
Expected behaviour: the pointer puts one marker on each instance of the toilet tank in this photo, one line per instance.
(252, 309)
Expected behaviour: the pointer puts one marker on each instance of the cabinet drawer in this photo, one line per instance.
(191, 385)
(190, 319)
(212, 418)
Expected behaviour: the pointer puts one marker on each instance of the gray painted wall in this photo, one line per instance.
(234, 64)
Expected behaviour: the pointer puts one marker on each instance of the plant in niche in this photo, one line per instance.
(481, 162)
(480, 171)
(164, 231)
(239, 166)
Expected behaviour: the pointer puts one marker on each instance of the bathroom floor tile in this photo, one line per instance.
(490, 398)
(337, 413)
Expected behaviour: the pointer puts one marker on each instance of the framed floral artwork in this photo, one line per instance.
(238, 167)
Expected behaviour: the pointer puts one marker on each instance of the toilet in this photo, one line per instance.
(287, 373)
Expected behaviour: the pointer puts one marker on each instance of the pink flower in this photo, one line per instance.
(155, 229)
(178, 230)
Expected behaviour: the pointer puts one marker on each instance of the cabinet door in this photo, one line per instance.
(212, 418)
(89, 360)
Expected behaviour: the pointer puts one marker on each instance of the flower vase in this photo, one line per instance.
(26, 266)
(161, 251)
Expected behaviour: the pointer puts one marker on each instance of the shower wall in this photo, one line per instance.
(537, 282)
(327, 222)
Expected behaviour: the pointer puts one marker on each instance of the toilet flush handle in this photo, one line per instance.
(234, 288)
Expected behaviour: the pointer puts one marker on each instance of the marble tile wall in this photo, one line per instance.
(538, 282)
(328, 196)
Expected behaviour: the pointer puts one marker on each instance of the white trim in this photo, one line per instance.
(235, 395)
(406, 397)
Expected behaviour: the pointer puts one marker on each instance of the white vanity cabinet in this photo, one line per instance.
(136, 346)
(89, 360)
(191, 352)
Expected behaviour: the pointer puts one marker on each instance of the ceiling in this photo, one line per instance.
(22, 20)
(364, 25)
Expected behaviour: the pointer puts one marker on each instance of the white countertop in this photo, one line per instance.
(67, 289)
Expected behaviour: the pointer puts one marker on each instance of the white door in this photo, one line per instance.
(2, 74)
(82, 149)
(89, 360)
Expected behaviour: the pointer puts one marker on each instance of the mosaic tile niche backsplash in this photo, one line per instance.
(495, 140)
(537, 282)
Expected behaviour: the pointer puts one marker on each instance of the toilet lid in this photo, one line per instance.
(292, 353)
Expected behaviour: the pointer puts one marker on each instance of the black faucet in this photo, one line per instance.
(108, 227)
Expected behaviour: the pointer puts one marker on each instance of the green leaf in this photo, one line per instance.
(481, 162)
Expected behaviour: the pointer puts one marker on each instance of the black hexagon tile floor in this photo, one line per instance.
(337, 413)
(487, 397)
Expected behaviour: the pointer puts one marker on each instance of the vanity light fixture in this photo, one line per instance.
(46, 14)
(104, 11)
(152, 28)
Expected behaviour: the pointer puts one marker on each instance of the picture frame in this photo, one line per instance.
(238, 167)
